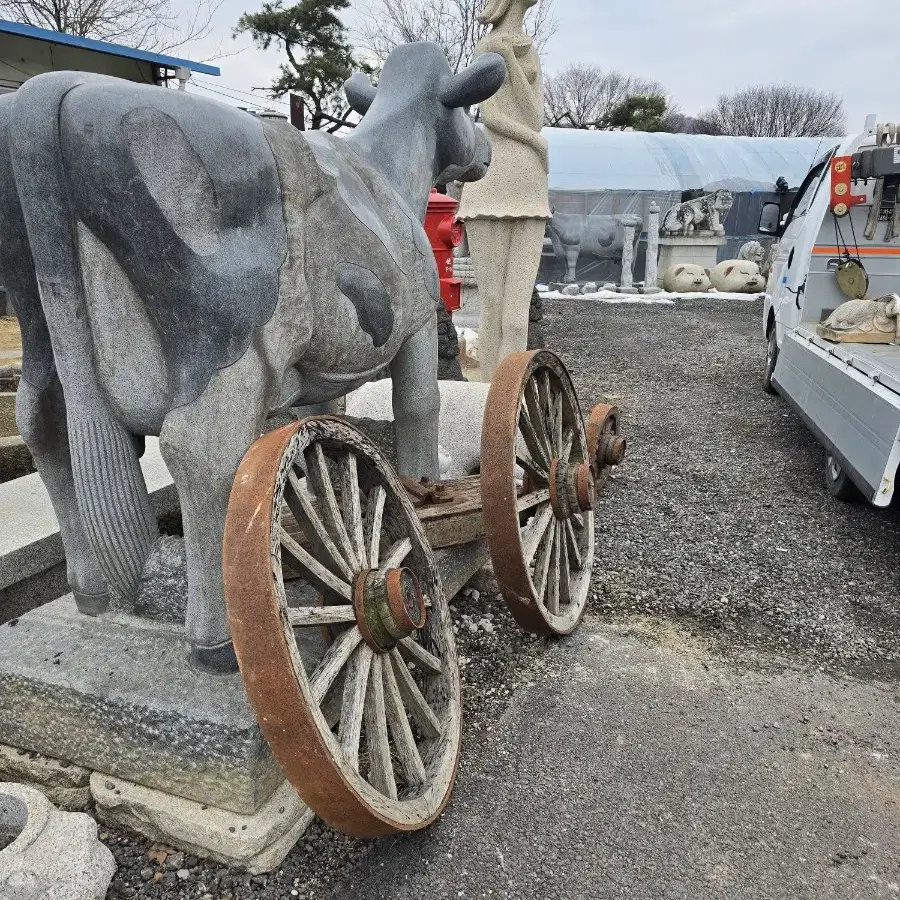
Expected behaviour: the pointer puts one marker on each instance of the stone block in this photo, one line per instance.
(115, 694)
(462, 413)
(47, 853)
(697, 249)
(257, 842)
(23, 765)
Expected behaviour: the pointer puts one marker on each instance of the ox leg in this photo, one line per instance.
(203, 444)
(417, 404)
(41, 418)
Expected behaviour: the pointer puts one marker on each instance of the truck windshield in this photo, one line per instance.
(809, 189)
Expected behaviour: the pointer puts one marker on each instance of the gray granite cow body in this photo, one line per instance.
(195, 268)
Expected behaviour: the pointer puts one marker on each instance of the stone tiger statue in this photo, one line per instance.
(703, 214)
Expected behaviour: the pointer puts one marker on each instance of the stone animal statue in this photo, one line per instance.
(686, 278)
(195, 268)
(863, 321)
(601, 237)
(752, 251)
(737, 277)
(703, 214)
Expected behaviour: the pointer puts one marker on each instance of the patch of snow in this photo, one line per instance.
(666, 298)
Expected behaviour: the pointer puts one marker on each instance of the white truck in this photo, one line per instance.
(844, 219)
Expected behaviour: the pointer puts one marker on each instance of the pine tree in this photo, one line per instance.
(320, 58)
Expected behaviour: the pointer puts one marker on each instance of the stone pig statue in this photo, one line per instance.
(737, 276)
(686, 278)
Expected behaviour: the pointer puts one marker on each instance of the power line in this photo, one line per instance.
(220, 88)
(257, 105)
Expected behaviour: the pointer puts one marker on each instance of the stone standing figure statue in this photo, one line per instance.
(506, 213)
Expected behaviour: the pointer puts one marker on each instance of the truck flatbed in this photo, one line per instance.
(849, 397)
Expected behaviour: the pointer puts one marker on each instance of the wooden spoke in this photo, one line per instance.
(534, 421)
(300, 616)
(532, 437)
(572, 550)
(535, 498)
(542, 564)
(565, 590)
(300, 505)
(415, 652)
(546, 404)
(332, 662)
(355, 688)
(372, 529)
(351, 506)
(321, 480)
(398, 725)
(531, 467)
(395, 556)
(553, 580)
(534, 532)
(558, 423)
(417, 705)
(568, 440)
(381, 768)
(315, 572)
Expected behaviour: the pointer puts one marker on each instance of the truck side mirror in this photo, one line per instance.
(769, 218)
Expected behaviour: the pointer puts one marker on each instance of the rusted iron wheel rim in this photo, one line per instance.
(367, 731)
(606, 444)
(536, 479)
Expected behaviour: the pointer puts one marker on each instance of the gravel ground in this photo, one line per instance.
(720, 516)
(719, 520)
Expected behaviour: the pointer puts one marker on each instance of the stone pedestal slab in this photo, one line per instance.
(698, 249)
(116, 695)
(258, 842)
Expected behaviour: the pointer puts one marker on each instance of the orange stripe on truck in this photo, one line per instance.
(862, 251)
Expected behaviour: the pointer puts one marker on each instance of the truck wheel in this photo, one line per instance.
(771, 359)
(838, 482)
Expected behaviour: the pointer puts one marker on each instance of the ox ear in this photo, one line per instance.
(475, 83)
(360, 92)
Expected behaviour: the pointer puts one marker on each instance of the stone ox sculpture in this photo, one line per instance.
(195, 268)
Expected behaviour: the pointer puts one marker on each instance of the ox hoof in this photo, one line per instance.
(220, 660)
(91, 604)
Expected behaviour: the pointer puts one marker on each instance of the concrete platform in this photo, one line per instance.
(116, 695)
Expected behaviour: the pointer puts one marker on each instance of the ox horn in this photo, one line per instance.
(360, 92)
(474, 84)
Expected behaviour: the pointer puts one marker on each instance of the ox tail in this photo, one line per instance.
(109, 485)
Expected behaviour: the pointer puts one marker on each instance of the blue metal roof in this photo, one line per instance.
(637, 161)
(71, 40)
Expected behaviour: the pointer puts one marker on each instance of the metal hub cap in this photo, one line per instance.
(571, 488)
(610, 450)
(389, 606)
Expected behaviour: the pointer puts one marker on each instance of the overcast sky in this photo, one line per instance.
(696, 48)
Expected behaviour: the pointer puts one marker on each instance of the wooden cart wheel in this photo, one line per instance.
(607, 447)
(539, 522)
(366, 727)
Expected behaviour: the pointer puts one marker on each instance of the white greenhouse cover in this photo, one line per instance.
(637, 161)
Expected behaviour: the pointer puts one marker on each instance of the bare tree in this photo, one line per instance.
(775, 110)
(585, 96)
(145, 24)
(451, 23)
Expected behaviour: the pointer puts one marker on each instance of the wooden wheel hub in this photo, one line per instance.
(389, 607)
(571, 488)
(610, 450)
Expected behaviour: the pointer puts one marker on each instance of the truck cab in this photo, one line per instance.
(848, 394)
